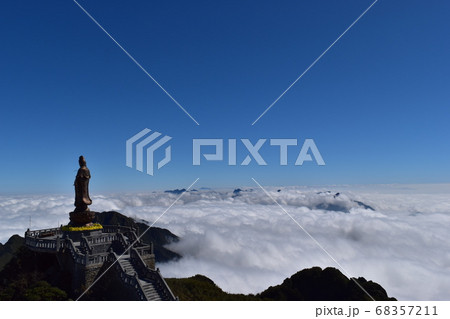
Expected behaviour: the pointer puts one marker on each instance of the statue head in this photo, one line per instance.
(82, 161)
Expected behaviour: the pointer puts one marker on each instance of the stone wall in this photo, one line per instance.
(149, 261)
(90, 274)
(110, 287)
(82, 276)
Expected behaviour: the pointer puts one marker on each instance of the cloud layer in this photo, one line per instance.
(245, 243)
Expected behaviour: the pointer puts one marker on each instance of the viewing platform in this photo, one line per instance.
(87, 254)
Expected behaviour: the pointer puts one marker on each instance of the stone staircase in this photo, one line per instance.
(148, 286)
(149, 289)
(125, 261)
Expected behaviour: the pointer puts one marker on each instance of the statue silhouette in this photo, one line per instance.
(82, 199)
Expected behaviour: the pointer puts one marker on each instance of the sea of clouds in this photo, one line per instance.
(396, 235)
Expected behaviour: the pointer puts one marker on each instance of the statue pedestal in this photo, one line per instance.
(79, 219)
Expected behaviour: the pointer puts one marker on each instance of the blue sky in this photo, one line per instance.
(377, 104)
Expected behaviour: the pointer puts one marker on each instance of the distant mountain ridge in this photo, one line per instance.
(322, 200)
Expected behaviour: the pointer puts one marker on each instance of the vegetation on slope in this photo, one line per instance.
(31, 276)
(201, 288)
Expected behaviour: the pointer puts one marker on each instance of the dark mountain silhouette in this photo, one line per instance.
(158, 236)
(364, 205)
(236, 192)
(8, 250)
(313, 284)
(175, 191)
(338, 206)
